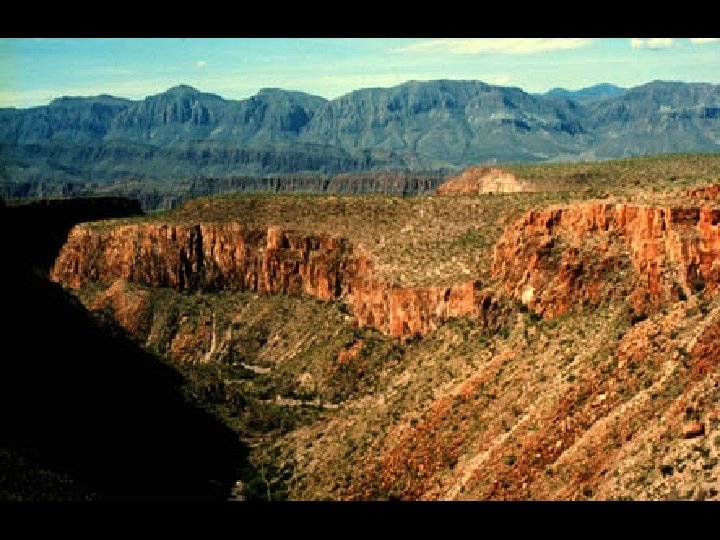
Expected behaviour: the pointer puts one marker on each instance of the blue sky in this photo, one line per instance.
(34, 71)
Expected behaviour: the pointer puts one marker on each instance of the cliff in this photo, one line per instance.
(711, 192)
(208, 256)
(552, 260)
(419, 310)
(476, 180)
(557, 260)
(213, 256)
(154, 195)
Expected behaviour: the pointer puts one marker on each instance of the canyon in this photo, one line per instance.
(542, 345)
(551, 260)
(274, 261)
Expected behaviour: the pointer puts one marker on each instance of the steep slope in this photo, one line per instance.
(658, 117)
(452, 122)
(183, 113)
(599, 404)
(87, 414)
(214, 257)
(75, 119)
(560, 259)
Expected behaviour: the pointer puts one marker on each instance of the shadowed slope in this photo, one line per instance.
(80, 398)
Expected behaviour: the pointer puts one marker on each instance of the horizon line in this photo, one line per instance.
(409, 81)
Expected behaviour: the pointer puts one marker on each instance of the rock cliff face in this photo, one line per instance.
(211, 256)
(419, 310)
(476, 180)
(711, 192)
(215, 256)
(556, 260)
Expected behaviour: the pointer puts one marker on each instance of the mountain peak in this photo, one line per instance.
(185, 90)
(182, 89)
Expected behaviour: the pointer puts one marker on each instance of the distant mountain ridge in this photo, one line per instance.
(415, 126)
(597, 91)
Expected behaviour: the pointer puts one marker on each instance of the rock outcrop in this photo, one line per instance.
(419, 310)
(209, 256)
(213, 256)
(711, 192)
(556, 260)
(476, 180)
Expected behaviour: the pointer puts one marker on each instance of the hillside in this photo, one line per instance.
(415, 126)
(555, 344)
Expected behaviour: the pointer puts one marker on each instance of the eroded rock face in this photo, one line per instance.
(555, 260)
(419, 310)
(475, 180)
(710, 193)
(228, 256)
(210, 256)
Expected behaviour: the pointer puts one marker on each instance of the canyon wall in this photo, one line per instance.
(558, 259)
(209, 256)
(553, 261)
(419, 310)
(214, 256)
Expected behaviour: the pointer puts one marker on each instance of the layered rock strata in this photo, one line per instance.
(558, 259)
(214, 256)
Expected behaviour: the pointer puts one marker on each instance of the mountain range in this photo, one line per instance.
(415, 126)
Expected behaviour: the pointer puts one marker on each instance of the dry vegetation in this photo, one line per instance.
(425, 240)
(590, 405)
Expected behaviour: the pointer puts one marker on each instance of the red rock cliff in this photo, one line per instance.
(419, 310)
(557, 259)
(212, 256)
(711, 192)
(228, 256)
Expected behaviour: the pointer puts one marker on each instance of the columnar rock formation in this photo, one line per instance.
(475, 180)
(215, 256)
(555, 260)
(211, 256)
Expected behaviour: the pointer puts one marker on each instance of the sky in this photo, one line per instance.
(33, 71)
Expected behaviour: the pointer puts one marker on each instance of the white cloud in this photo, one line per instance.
(651, 43)
(703, 40)
(495, 45)
(200, 64)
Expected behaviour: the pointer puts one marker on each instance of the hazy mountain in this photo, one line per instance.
(598, 91)
(658, 117)
(449, 123)
(413, 126)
